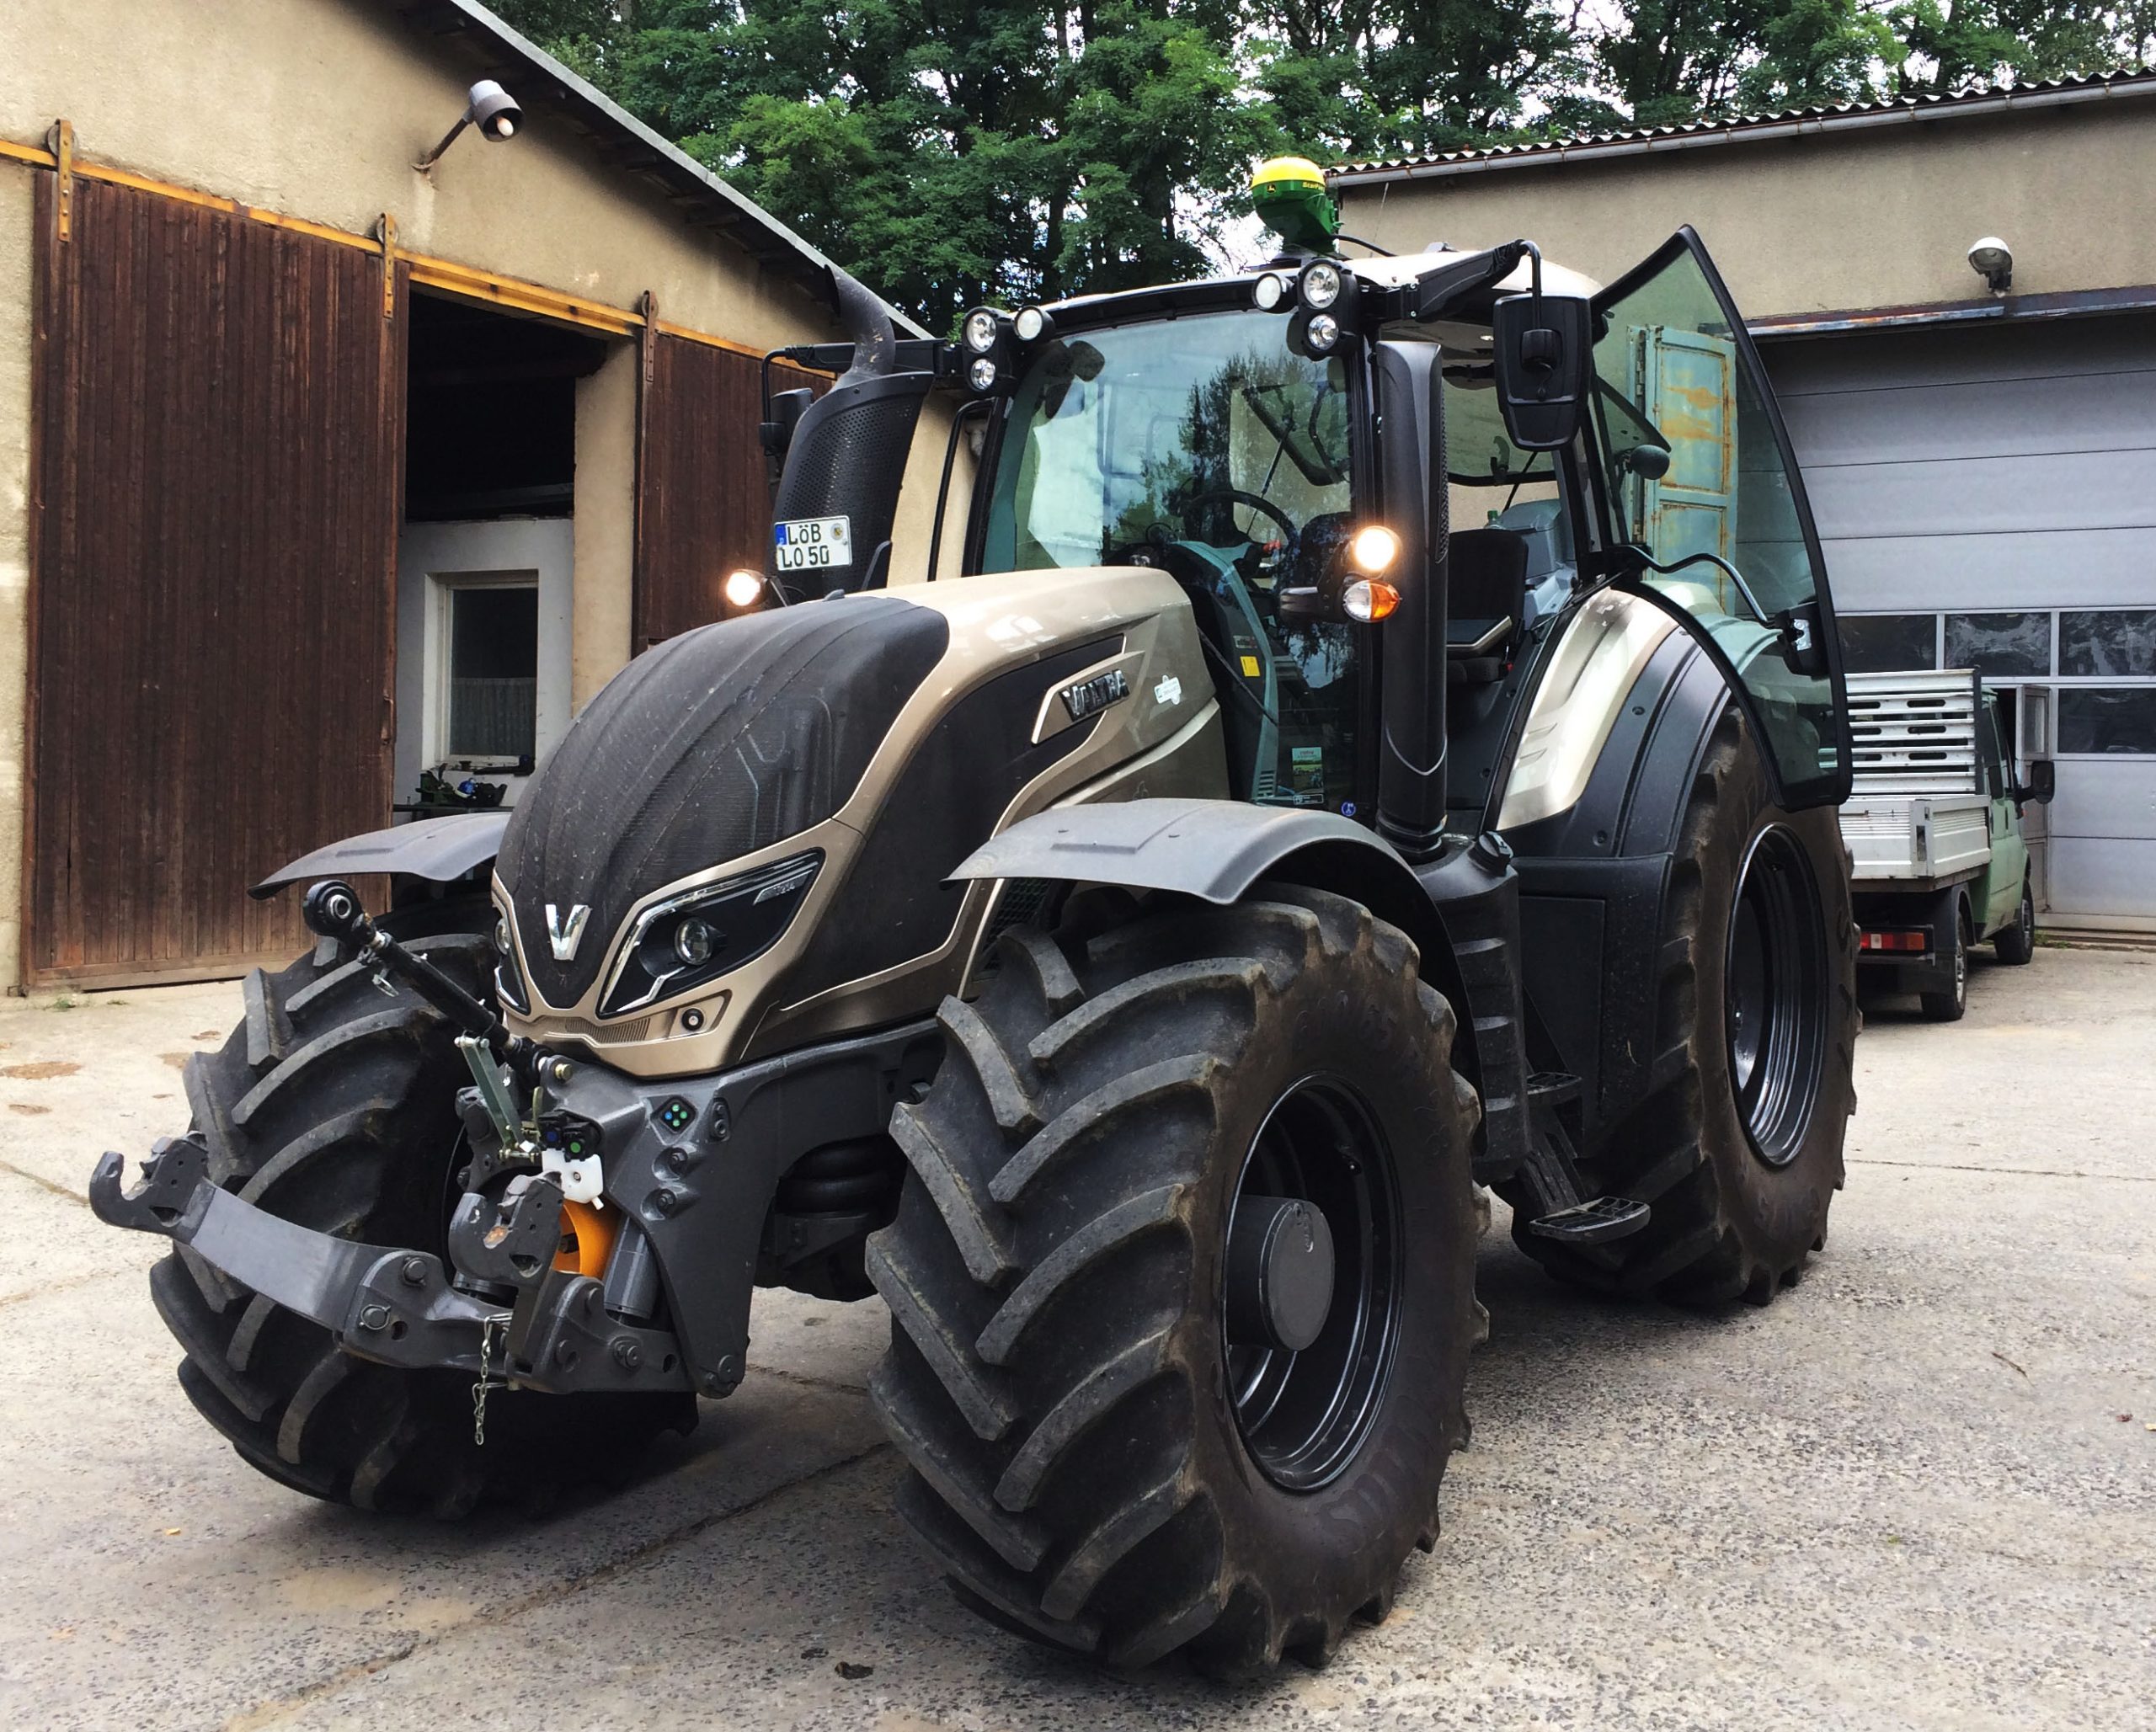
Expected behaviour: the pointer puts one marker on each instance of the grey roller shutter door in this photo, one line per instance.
(2001, 469)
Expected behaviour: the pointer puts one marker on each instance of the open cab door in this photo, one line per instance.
(1706, 510)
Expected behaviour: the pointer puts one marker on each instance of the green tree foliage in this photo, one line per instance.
(953, 152)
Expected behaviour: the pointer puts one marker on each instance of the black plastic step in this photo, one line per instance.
(1594, 1222)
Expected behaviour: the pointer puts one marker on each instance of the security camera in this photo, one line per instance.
(1993, 260)
(493, 111)
(490, 108)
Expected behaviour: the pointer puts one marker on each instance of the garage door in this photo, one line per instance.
(1987, 497)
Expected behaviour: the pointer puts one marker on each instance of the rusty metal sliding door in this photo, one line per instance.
(703, 501)
(218, 430)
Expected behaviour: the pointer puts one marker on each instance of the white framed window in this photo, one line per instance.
(483, 648)
(489, 695)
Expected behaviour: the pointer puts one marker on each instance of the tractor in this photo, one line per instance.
(1378, 745)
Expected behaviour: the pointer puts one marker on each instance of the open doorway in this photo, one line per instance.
(485, 555)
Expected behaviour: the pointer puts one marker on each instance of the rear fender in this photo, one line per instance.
(1216, 850)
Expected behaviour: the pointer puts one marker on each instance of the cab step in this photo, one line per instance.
(1593, 1222)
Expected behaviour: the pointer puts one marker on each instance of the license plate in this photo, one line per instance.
(814, 543)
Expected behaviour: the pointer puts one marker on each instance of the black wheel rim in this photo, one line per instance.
(1303, 1416)
(1774, 994)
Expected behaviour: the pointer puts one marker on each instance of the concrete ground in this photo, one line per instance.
(1919, 1491)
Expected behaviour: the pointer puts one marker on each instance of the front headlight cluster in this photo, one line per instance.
(1320, 296)
(985, 337)
(689, 939)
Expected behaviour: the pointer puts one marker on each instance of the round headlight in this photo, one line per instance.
(1320, 285)
(1269, 291)
(1322, 332)
(1030, 325)
(743, 589)
(1373, 548)
(981, 375)
(693, 941)
(501, 933)
(980, 330)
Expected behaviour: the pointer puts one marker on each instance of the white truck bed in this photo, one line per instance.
(1917, 814)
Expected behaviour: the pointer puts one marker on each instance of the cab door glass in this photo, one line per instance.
(1698, 475)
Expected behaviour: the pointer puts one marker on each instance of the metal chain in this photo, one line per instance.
(488, 1328)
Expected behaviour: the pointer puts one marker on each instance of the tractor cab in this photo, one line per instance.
(1333, 456)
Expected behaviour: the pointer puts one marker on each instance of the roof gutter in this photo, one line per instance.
(2012, 309)
(1754, 132)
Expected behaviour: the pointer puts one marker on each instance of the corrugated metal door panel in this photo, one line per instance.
(703, 501)
(219, 439)
(1993, 418)
(1992, 573)
(1964, 353)
(1934, 496)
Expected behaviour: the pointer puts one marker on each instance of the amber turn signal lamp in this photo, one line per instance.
(1369, 600)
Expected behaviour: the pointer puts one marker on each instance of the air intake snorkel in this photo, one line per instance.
(838, 493)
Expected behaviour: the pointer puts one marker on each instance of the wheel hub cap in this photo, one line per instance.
(1310, 1284)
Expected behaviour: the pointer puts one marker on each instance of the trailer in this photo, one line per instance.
(1938, 858)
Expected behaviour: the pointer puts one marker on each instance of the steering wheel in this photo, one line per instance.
(1255, 502)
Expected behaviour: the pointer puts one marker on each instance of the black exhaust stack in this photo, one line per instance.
(1412, 752)
(847, 456)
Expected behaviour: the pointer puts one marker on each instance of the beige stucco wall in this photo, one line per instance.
(1855, 219)
(604, 509)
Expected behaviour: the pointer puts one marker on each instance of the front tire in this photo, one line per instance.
(1736, 1145)
(335, 1107)
(1103, 1455)
(2017, 945)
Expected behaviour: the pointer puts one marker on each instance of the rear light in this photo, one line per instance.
(1919, 940)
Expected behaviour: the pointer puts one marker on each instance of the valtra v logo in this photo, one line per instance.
(565, 937)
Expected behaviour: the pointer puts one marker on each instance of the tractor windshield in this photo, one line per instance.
(1206, 431)
(1204, 445)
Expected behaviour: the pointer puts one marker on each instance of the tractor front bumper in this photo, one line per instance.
(550, 1331)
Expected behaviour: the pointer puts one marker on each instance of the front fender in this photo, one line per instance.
(439, 850)
(1212, 849)
(1216, 850)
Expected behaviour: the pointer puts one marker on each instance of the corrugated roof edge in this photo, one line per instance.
(601, 115)
(1795, 123)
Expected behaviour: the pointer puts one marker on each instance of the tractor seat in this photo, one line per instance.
(1485, 602)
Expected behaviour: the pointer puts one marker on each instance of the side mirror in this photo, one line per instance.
(1545, 350)
(2043, 783)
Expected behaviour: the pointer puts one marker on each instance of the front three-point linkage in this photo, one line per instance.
(332, 909)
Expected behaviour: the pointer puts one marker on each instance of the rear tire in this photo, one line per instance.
(1736, 1145)
(1951, 1005)
(2017, 945)
(335, 1107)
(1089, 1462)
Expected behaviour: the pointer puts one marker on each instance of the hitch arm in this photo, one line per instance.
(332, 909)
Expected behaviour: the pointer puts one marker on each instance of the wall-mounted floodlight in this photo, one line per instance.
(1993, 260)
(491, 108)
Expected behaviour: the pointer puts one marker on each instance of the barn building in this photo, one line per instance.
(1981, 459)
(320, 469)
